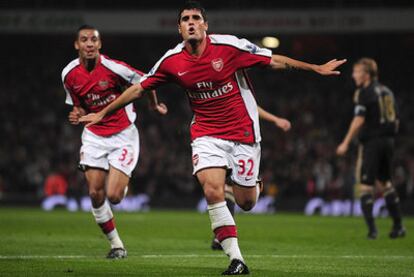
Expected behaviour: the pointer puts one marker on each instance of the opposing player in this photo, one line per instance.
(376, 120)
(225, 130)
(110, 150)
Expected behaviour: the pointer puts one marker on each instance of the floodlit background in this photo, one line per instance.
(299, 168)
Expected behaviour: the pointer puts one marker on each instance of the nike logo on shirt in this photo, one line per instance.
(182, 73)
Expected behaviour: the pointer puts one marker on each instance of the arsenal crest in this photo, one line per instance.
(103, 84)
(217, 64)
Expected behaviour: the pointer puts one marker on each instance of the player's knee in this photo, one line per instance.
(97, 198)
(115, 198)
(95, 195)
(385, 185)
(213, 194)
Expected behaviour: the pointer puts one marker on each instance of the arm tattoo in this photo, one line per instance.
(290, 67)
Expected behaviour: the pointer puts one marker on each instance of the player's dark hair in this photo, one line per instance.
(84, 27)
(370, 66)
(192, 5)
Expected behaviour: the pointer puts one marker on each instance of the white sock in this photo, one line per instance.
(221, 217)
(231, 248)
(103, 216)
(257, 192)
(114, 239)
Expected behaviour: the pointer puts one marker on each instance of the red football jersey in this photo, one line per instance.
(219, 92)
(95, 90)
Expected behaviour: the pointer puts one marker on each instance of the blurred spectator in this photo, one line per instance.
(35, 134)
(55, 184)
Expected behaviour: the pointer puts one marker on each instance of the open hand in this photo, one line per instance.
(329, 67)
(91, 118)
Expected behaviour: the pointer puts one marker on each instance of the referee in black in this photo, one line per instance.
(376, 121)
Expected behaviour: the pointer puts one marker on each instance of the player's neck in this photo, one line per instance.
(366, 83)
(196, 47)
(89, 64)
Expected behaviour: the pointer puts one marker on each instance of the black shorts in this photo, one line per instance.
(374, 161)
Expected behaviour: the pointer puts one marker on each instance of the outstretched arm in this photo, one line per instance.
(282, 123)
(129, 95)
(354, 128)
(283, 62)
(159, 107)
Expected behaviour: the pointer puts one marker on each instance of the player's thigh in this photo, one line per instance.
(116, 182)
(245, 165)
(385, 161)
(94, 151)
(244, 195)
(365, 189)
(212, 180)
(245, 173)
(124, 150)
(95, 178)
(369, 164)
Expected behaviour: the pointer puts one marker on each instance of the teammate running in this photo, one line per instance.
(110, 149)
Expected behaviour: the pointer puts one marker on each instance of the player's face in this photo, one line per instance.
(88, 43)
(192, 25)
(359, 75)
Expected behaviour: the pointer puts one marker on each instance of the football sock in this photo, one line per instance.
(229, 197)
(393, 205)
(257, 192)
(224, 227)
(105, 219)
(367, 202)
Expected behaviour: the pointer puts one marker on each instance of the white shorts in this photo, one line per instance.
(120, 150)
(243, 160)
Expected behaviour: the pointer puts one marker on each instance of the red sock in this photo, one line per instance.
(108, 226)
(224, 232)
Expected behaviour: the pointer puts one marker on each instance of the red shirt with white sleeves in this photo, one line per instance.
(216, 84)
(95, 90)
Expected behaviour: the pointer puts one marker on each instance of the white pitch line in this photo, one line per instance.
(280, 256)
(38, 257)
(190, 256)
(181, 256)
(341, 257)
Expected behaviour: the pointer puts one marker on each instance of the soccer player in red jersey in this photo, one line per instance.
(110, 149)
(225, 129)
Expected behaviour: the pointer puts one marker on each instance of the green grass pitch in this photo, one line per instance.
(176, 243)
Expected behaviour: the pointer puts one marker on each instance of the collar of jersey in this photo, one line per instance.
(194, 58)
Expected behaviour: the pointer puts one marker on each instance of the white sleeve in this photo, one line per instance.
(122, 70)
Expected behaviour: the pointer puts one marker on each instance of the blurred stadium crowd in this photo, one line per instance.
(38, 141)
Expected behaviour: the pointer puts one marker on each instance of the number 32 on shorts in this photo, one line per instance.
(246, 167)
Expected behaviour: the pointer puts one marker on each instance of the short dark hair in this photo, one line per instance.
(84, 27)
(370, 66)
(192, 5)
